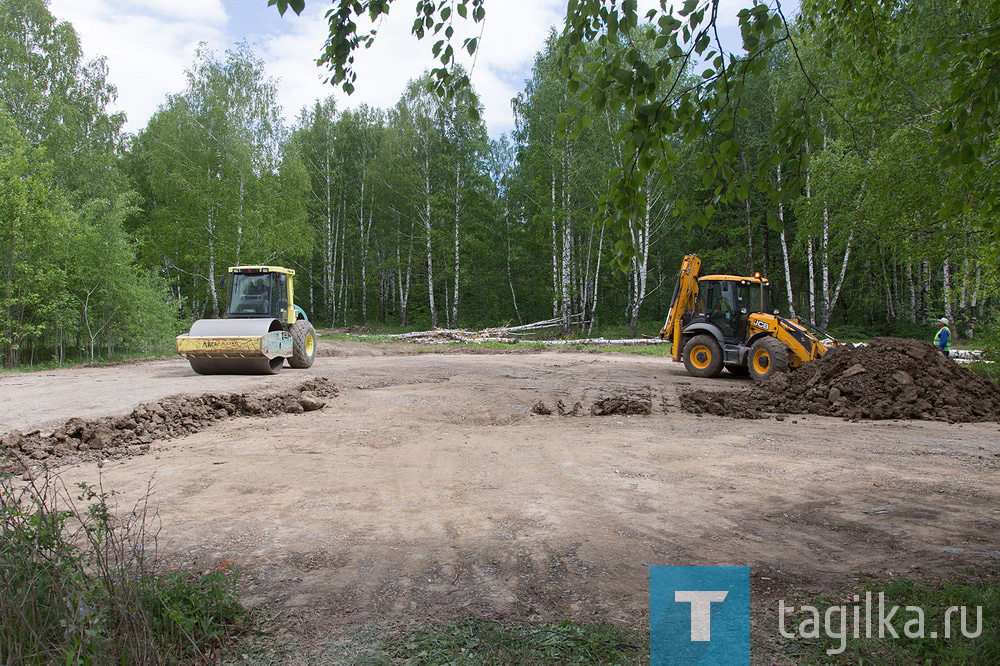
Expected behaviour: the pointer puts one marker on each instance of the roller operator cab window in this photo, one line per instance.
(252, 294)
(280, 295)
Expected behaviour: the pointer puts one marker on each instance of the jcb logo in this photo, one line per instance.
(762, 325)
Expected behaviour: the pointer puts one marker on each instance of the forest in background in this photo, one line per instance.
(412, 216)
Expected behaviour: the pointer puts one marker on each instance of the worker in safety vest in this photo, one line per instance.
(942, 339)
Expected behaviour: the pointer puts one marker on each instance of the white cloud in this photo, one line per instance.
(202, 11)
(148, 44)
(513, 32)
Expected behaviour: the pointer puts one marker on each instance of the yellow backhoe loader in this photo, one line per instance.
(724, 321)
(262, 328)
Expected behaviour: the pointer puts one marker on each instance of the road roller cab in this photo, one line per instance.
(261, 329)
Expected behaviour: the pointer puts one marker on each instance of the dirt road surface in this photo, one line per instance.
(429, 489)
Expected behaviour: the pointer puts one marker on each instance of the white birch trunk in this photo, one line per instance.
(913, 292)
(784, 255)
(363, 238)
(890, 310)
(825, 265)
(555, 251)
(948, 311)
(974, 304)
(597, 274)
(404, 282)
(812, 282)
(211, 266)
(510, 276)
(963, 301)
(812, 267)
(458, 212)
(840, 281)
(427, 237)
(343, 280)
(329, 268)
(565, 278)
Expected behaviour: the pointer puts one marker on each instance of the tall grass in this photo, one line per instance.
(80, 583)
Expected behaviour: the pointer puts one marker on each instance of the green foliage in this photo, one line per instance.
(69, 282)
(217, 186)
(59, 101)
(485, 641)
(78, 585)
(432, 19)
(489, 641)
(864, 41)
(822, 157)
(973, 589)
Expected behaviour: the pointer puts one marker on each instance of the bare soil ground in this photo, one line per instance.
(429, 489)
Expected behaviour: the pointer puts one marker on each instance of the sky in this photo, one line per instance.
(150, 43)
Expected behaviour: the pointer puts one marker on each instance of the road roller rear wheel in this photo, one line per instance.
(303, 344)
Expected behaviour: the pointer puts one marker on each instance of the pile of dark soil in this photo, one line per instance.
(890, 378)
(624, 404)
(109, 438)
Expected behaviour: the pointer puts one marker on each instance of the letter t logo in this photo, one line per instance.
(701, 611)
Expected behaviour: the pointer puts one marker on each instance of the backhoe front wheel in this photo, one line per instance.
(703, 356)
(303, 344)
(768, 357)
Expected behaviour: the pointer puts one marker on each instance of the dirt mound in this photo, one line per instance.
(721, 403)
(890, 378)
(117, 437)
(613, 405)
(628, 403)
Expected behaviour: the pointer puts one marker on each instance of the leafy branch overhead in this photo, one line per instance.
(664, 108)
(434, 19)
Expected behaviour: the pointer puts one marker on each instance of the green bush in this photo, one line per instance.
(77, 585)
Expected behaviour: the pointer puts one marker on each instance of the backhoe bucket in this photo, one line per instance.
(236, 346)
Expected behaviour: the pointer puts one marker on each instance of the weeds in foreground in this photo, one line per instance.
(79, 584)
(977, 590)
(481, 640)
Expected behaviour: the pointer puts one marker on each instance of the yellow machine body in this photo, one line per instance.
(721, 321)
(802, 345)
(685, 294)
(257, 335)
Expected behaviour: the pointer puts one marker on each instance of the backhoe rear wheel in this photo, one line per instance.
(768, 357)
(703, 356)
(303, 344)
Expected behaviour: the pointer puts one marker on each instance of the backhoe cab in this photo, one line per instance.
(721, 322)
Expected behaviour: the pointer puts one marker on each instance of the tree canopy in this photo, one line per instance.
(849, 156)
(957, 39)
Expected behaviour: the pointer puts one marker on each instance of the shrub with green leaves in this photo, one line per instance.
(79, 583)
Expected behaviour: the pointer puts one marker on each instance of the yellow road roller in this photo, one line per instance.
(261, 329)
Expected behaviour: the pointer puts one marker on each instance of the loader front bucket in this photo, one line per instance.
(236, 346)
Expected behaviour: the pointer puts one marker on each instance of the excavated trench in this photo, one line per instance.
(110, 438)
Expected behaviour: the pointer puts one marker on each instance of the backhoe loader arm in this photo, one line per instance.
(685, 295)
